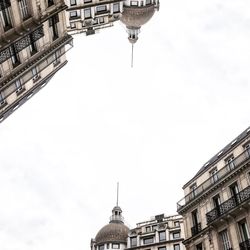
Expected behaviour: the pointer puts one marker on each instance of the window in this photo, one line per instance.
(56, 57)
(162, 236)
(148, 2)
(148, 240)
(115, 246)
(35, 74)
(101, 20)
(18, 85)
(107, 245)
(101, 8)
(133, 241)
(116, 7)
(87, 13)
(247, 148)
(24, 9)
(72, 2)
(134, 3)
(217, 202)
(53, 24)
(234, 189)
(176, 235)
(193, 190)
(199, 247)
(214, 175)
(5, 14)
(154, 227)
(244, 232)
(50, 3)
(87, 1)
(32, 46)
(176, 223)
(148, 229)
(101, 247)
(14, 56)
(72, 25)
(225, 240)
(2, 100)
(230, 163)
(176, 246)
(162, 248)
(73, 14)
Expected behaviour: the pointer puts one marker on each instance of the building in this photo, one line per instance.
(159, 233)
(33, 43)
(113, 235)
(137, 13)
(215, 208)
(88, 16)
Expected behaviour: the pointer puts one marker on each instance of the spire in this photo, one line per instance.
(116, 216)
(132, 56)
(117, 194)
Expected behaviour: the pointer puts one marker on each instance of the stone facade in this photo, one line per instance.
(160, 233)
(88, 16)
(33, 43)
(216, 204)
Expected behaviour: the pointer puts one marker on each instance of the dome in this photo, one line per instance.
(112, 233)
(134, 16)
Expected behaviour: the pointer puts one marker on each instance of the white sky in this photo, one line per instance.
(98, 122)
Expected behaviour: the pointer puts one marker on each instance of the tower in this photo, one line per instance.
(113, 235)
(135, 14)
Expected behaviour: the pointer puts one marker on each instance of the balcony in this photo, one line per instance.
(228, 205)
(223, 172)
(245, 245)
(196, 229)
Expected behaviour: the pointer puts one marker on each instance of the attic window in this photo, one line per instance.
(206, 164)
(220, 153)
(233, 142)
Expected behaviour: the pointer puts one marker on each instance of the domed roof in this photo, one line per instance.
(112, 232)
(134, 16)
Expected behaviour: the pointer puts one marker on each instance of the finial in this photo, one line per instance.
(132, 56)
(117, 194)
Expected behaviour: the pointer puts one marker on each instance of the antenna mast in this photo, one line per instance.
(117, 194)
(132, 56)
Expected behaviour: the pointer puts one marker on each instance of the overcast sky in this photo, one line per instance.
(98, 122)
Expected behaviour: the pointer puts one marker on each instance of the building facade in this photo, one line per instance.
(33, 43)
(160, 233)
(88, 16)
(215, 208)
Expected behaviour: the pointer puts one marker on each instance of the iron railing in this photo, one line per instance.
(237, 161)
(245, 245)
(228, 205)
(196, 229)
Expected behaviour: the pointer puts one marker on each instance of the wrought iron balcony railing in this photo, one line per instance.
(196, 229)
(226, 170)
(245, 245)
(228, 205)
